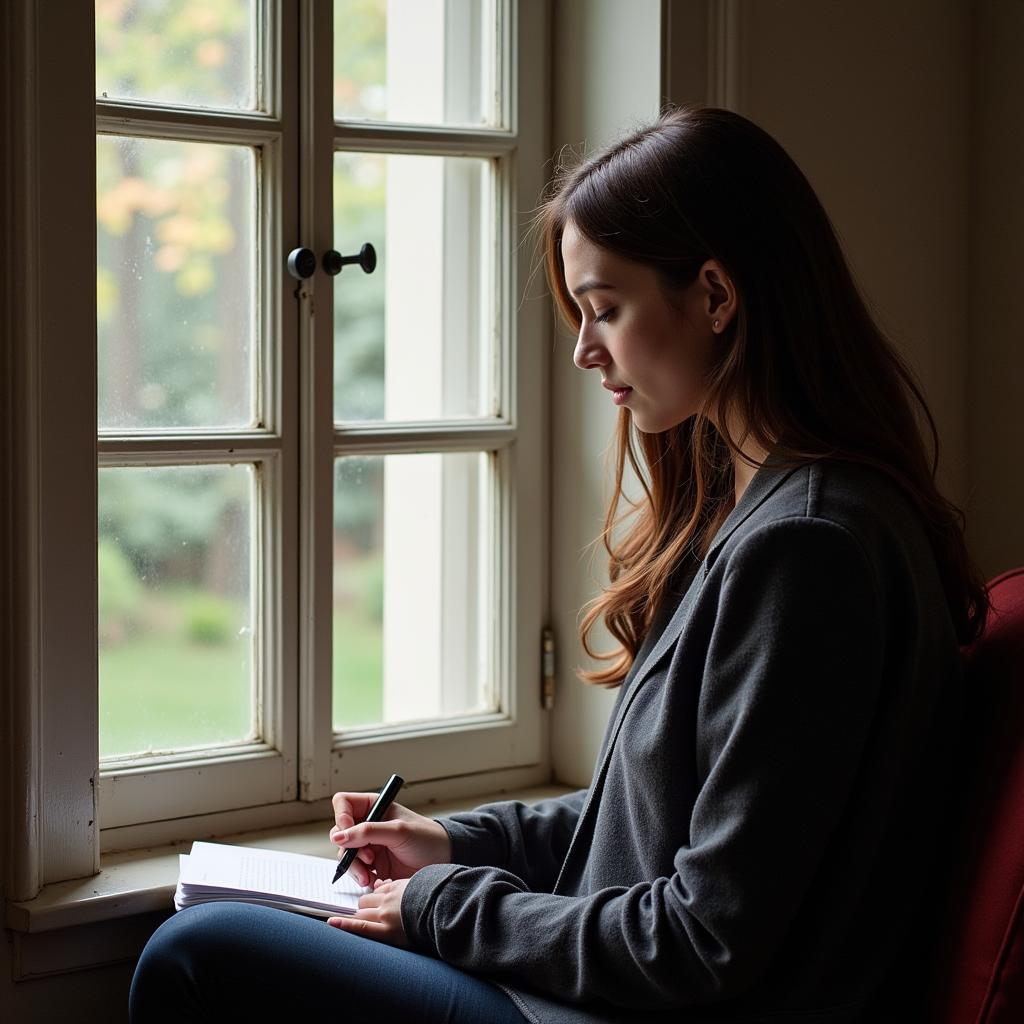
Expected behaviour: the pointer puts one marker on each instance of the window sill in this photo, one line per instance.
(142, 881)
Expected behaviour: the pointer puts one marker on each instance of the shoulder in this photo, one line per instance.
(839, 519)
(832, 497)
(848, 494)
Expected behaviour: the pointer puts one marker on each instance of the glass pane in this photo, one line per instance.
(414, 339)
(177, 626)
(412, 543)
(416, 61)
(175, 283)
(194, 53)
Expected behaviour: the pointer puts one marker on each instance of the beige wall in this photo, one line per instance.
(871, 100)
(995, 335)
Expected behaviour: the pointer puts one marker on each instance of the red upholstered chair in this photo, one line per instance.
(979, 973)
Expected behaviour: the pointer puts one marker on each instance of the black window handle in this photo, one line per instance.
(333, 261)
(302, 262)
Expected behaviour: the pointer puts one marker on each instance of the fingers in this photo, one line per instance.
(335, 836)
(351, 807)
(381, 888)
(381, 833)
(360, 926)
(359, 873)
(370, 930)
(377, 916)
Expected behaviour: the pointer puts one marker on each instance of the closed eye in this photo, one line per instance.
(603, 318)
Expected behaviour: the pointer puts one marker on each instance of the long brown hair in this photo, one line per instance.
(805, 366)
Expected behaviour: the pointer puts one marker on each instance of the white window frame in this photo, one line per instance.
(51, 527)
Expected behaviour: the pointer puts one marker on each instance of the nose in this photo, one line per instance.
(589, 353)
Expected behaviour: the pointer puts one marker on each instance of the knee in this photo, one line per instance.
(189, 934)
(167, 984)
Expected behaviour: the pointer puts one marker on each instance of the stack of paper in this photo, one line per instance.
(291, 881)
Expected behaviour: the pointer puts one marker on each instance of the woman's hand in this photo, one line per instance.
(379, 915)
(394, 848)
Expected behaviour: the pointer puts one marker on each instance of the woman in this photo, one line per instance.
(787, 599)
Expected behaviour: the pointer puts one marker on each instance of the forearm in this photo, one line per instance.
(529, 840)
(628, 946)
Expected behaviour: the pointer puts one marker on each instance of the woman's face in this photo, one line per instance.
(653, 357)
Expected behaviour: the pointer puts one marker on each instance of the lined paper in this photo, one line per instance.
(293, 881)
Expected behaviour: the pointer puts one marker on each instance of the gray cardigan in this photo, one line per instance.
(754, 840)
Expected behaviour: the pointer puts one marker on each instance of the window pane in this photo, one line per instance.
(417, 61)
(176, 658)
(194, 53)
(412, 543)
(176, 268)
(414, 339)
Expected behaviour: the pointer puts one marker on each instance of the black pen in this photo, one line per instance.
(377, 811)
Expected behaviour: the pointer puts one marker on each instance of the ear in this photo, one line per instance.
(719, 295)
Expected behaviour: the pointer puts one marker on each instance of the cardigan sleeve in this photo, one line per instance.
(789, 685)
(529, 840)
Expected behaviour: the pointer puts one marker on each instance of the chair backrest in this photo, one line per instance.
(979, 977)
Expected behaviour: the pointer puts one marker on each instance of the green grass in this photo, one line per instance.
(161, 692)
(358, 640)
(161, 689)
(358, 698)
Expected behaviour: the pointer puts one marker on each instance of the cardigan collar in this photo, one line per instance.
(765, 481)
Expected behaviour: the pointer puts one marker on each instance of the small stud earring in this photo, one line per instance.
(715, 324)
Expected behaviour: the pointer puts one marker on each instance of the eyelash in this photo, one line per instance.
(603, 318)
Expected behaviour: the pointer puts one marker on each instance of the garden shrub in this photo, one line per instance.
(210, 619)
(120, 592)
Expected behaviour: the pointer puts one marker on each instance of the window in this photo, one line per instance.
(317, 550)
(197, 441)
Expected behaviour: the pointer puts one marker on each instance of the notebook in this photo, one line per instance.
(290, 881)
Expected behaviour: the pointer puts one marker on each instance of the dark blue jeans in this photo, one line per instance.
(236, 961)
